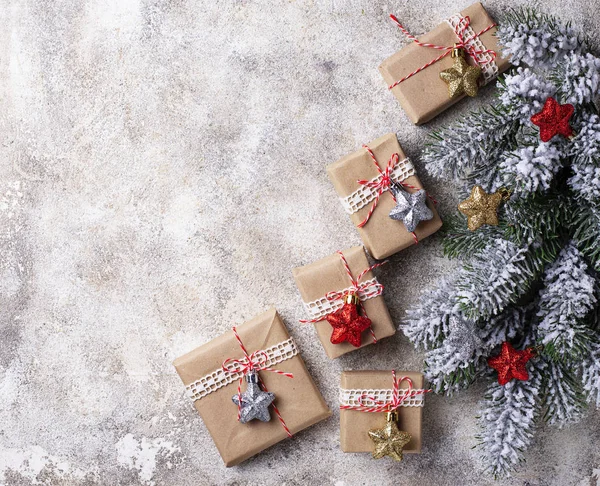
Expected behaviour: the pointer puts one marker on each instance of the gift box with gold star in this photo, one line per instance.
(438, 69)
(381, 412)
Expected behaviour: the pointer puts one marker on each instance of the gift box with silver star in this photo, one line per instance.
(375, 185)
(247, 410)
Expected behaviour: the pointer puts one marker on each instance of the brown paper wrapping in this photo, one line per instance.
(424, 95)
(328, 275)
(297, 398)
(355, 425)
(382, 235)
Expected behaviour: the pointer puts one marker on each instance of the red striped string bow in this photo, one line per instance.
(380, 185)
(367, 289)
(252, 362)
(369, 403)
(478, 55)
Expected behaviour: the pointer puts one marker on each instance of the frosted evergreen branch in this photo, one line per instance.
(454, 364)
(586, 228)
(541, 218)
(508, 420)
(578, 78)
(471, 145)
(564, 396)
(536, 39)
(591, 374)
(427, 325)
(532, 168)
(512, 322)
(585, 151)
(524, 92)
(495, 278)
(459, 240)
(565, 302)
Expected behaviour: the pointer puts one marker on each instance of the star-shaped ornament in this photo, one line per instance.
(461, 77)
(482, 208)
(511, 363)
(389, 440)
(554, 120)
(347, 324)
(411, 209)
(255, 402)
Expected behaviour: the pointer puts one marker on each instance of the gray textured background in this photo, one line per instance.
(162, 170)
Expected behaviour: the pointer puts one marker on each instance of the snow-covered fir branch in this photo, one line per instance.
(494, 278)
(536, 39)
(532, 168)
(512, 322)
(524, 92)
(471, 145)
(459, 240)
(591, 373)
(453, 365)
(586, 227)
(522, 281)
(578, 78)
(427, 325)
(508, 420)
(585, 153)
(566, 300)
(565, 401)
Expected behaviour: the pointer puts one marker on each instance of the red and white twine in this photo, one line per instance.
(356, 287)
(252, 362)
(479, 56)
(371, 404)
(383, 184)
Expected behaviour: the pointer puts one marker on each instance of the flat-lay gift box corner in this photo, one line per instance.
(355, 425)
(298, 399)
(424, 95)
(317, 279)
(381, 235)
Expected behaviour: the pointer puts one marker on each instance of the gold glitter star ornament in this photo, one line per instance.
(482, 208)
(389, 440)
(461, 77)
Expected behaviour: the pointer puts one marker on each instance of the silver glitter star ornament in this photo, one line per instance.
(411, 209)
(255, 402)
(464, 337)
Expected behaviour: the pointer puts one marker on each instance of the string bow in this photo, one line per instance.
(369, 403)
(480, 56)
(256, 361)
(362, 289)
(384, 183)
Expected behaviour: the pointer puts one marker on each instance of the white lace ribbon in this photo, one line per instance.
(219, 378)
(322, 307)
(352, 397)
(364, 194)
(490, 68)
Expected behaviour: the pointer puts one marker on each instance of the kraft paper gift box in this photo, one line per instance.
(381, 235)
(298, 400)
(317, 279)
(355, 425)
(424, 95)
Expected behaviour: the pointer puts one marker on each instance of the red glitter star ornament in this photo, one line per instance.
(347, 324)
(554, 119)
(510, 363)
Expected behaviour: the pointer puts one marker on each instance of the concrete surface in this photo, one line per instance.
(162, 170)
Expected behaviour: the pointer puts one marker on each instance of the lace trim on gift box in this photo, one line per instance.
(364, 194)
(320, 308)
(489, 68)
(219, 378)
(369, 398)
